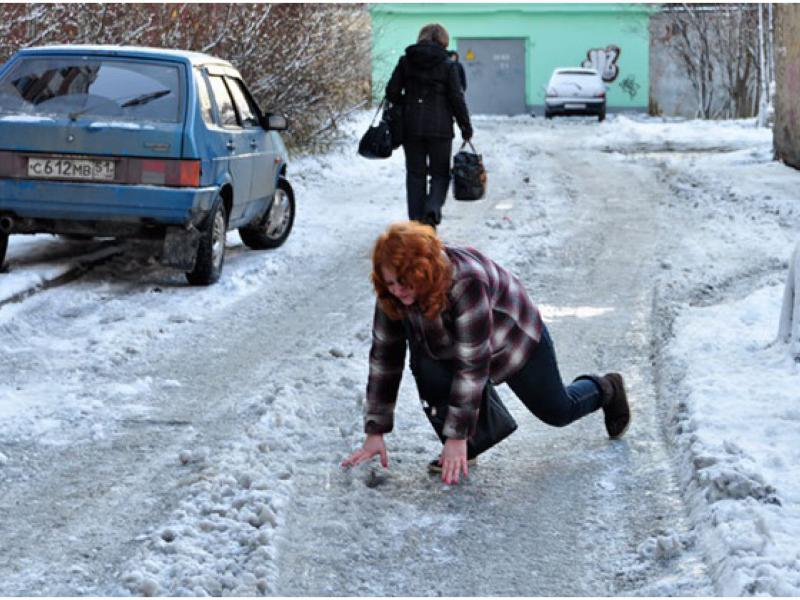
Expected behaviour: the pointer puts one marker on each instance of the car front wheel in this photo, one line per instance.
(211, 250)
(275, 226)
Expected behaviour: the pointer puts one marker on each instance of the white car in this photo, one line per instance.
(575, 91)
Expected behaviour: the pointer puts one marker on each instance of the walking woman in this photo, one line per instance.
(426, 83)
(469, 323)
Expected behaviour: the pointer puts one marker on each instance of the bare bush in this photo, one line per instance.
(308, 61)
(718, 47)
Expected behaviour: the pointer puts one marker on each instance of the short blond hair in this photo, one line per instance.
(433, 32)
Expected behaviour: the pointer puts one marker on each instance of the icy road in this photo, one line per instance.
(157, 439)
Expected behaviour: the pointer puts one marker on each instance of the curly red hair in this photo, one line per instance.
(416, 254)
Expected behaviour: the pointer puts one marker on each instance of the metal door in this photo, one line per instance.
(233, 145)
(262, 150)
(495, 71)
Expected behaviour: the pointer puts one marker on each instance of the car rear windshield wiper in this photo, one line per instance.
(143, 99)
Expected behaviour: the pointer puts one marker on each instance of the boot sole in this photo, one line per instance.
(627, 425)
(630, 412)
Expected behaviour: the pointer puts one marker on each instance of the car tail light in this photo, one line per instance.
(600, 95)
(179, 173)
(551, 92)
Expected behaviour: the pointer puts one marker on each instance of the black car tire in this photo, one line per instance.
(601, 116)
(211, 251)
(548, 114)
(273, 229)
(3, 248)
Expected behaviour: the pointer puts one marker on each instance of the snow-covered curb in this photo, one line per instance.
(736, 413)
(730, 393)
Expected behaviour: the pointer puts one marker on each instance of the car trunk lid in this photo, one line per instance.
(95, 136)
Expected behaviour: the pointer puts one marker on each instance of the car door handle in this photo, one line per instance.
(230, 145)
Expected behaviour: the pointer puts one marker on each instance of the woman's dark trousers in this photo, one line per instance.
(537, 384)
(427, 157)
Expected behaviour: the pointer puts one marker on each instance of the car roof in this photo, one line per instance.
(575, 71)
(195, 58)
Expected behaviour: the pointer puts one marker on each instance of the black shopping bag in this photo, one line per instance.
(377, 141)
(469, 174)
(494, 425)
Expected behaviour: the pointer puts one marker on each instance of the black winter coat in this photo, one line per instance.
(426, 84)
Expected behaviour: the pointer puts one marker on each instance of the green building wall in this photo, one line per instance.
(556, 35)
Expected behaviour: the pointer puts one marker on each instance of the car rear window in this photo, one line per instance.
(580, 73)
(90, 86)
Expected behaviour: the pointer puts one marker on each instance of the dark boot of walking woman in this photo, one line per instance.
(614, 402)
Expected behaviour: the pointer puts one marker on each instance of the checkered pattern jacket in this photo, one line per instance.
(488, 331)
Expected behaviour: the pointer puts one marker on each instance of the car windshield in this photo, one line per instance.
(93, 87)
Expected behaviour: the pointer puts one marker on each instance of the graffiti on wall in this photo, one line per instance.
(604, 61)
(630, 86)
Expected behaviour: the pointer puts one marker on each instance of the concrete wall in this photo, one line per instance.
(786, 129)
(671, 92)
(556, 35)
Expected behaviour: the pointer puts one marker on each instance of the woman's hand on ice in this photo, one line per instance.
(372, 445)
(454, 460)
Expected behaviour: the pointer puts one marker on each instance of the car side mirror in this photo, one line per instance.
(272, 122)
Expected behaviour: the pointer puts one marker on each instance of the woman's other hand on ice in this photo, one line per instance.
(372, 445)
(454, 460)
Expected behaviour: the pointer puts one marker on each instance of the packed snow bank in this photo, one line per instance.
(629, 133)
(730, 388)
(738, 424)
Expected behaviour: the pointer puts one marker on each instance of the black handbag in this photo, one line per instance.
(494, 425)
(377, 141)
(469, 174)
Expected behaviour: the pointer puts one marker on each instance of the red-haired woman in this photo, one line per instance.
(470, 323)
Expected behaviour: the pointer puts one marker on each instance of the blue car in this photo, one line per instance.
(114, 141)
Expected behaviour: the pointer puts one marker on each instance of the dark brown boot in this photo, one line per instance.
(615, 405)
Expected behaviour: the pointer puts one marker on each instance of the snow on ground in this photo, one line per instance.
(731, 398)
(734, 411)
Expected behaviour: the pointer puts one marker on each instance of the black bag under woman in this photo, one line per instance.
(377, 141)
(494, 425)
(469, 174)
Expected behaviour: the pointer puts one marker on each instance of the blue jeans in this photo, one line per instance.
(538, 384)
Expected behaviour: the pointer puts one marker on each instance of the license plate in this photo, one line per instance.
(71, 168)
(574, 106)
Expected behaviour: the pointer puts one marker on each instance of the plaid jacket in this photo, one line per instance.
(488, 330)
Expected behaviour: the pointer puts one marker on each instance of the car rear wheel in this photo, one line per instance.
(548, 114)
(601, 116)
(275, 226)
(211, 250)
(3, 248)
